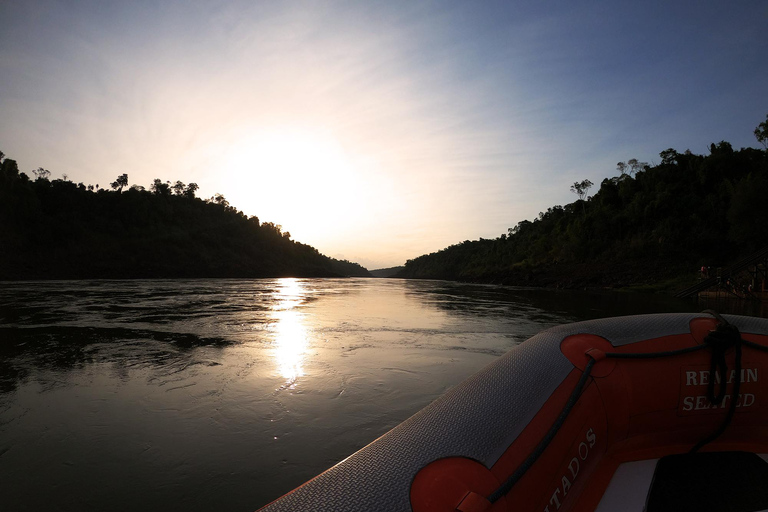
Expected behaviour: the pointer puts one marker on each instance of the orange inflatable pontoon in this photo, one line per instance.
(652, 412)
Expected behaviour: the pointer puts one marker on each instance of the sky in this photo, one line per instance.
(376, 131)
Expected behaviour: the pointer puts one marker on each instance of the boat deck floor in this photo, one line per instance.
(704, 482)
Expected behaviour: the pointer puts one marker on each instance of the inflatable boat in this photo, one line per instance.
(652, 412)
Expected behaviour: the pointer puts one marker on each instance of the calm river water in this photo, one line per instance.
(202, 395)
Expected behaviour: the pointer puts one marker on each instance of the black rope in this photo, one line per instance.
(526, 465)
(719, 340)
(652, 355)
(536, 453)
(750, 344)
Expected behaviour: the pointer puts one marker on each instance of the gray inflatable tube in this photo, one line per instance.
(478, 419)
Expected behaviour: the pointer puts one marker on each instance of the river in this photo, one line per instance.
(202, 395)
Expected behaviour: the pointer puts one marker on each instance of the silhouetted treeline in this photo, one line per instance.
(386, 272)
(56, 229)
(646, 224)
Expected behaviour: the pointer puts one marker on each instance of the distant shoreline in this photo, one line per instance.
(636, 275)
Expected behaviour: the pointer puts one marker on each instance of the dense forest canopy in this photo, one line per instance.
(687, 211)
(57, 229)
(648, 221)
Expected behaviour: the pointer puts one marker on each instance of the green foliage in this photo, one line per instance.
(689, 210)
(56, 229)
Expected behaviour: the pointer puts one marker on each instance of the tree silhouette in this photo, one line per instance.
(191, 189)
(120, 182)
(581, 188)
(166, 232)
(631, 168)
(668, 156)
(160, 188)
(178, 188)
(761, 133)
(220, 199)
(8, 168)
(647, 224)
(41, 174)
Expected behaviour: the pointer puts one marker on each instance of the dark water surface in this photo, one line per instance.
(224, 394)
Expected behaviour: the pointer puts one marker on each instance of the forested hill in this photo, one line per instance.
(57, 229)
(646, 225)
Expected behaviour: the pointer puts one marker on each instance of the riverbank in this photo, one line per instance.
(650, 275)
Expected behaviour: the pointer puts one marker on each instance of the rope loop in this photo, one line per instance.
(720, 340)
(723, 337)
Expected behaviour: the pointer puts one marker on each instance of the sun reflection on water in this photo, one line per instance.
(289, 330)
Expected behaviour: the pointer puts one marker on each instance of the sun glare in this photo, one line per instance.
(302, 179)
(289, 330)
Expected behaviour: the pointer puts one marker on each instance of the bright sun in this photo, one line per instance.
(300, 178)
